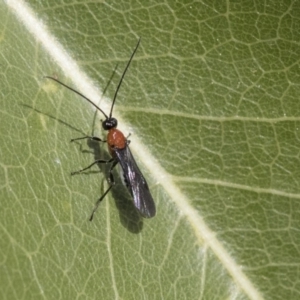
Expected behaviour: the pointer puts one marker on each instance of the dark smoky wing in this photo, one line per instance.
(136, 183)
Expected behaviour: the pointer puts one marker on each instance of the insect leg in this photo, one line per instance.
(98, 161)
(93, 138)
(111, 184)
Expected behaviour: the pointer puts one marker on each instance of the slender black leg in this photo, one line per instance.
(93, 138)
(111, 184)
(98, 161)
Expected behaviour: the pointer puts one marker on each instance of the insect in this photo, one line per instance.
(118, 147)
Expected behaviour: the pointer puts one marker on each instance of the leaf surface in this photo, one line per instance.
(211, 102)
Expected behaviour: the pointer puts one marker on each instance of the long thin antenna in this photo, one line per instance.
(78, 93)
(116, 93)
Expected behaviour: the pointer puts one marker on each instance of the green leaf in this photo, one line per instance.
(211, 102)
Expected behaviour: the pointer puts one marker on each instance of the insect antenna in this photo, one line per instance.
(123, 75)
(78, 93)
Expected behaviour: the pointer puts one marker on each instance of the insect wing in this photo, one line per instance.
(136, 183)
